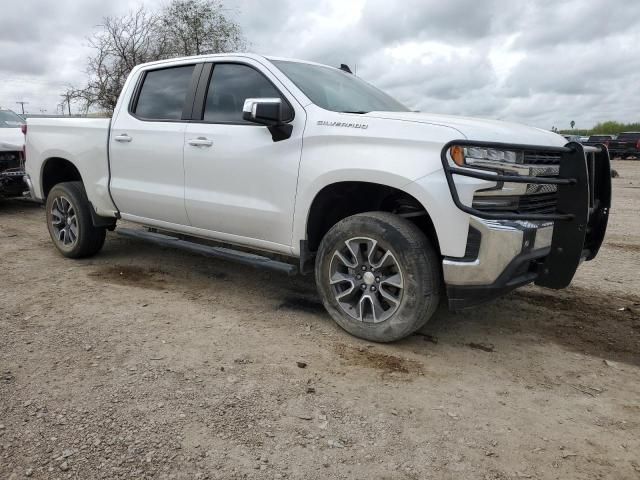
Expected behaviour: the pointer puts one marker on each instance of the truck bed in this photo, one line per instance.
(82, 141)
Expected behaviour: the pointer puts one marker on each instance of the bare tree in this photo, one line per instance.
(121, 44)
(197, 27)
(184, 27)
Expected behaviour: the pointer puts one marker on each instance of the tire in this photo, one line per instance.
(69, 221)
(387, 245)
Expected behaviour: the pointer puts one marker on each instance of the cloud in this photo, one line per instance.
(542, 62)
(575, 22)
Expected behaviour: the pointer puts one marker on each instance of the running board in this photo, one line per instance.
(250, 259)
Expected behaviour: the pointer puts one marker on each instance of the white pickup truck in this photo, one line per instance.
(393, 209)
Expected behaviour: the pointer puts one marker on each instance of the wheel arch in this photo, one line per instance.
(342, 199)
(56, 170)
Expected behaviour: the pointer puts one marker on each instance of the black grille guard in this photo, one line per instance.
(582, 211)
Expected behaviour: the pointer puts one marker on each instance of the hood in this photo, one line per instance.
(11, 139)
(480, 129)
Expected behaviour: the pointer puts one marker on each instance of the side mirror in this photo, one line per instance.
(265, 111)
(268, 112)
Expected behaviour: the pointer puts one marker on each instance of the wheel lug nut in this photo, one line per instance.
(358, 276)
(363, 286)
(364, 268)
(373, 288)
(378, 279)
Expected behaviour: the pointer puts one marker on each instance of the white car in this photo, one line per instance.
(11, 154)
(392, 209)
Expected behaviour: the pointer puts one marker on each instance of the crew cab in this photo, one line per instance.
(11, 154)
(626, 144)
(311, 169)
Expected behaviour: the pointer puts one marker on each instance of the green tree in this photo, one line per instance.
(573, 124)
(198, 27)
(606, 128)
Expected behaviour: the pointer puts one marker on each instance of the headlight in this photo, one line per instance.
(477, 156)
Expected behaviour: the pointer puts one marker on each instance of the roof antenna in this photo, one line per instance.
(345, 68)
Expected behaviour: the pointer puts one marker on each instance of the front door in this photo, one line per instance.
(239, 182)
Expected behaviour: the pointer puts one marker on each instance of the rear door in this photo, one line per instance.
(240, 184)
(146, 145)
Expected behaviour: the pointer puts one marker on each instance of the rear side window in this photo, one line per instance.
(231, 84)
(163, 93)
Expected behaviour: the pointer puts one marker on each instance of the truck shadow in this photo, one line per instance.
(579, 320)
(576, 319)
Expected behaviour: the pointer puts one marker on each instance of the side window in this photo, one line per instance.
(231, 84)
(163, 93)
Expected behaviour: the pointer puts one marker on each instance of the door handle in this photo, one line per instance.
(122, 138)
(200, 142)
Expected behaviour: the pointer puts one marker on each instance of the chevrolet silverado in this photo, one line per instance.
(302, 167)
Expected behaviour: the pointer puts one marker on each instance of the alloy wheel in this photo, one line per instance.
(64, 222)
(366, 280)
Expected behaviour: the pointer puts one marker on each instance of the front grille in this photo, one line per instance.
(535, 188)
(541, 158)
(540, 203)
(524, 204)
(539, 198)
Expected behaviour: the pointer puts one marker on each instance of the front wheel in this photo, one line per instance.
(378, 275)
(69, 221)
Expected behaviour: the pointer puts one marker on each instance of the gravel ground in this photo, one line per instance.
(145, 362)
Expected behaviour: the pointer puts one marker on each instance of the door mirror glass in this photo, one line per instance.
(265, 111)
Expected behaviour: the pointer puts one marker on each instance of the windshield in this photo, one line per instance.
(8, 119)
(338, 91)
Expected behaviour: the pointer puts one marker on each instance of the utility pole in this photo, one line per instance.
(22, 104)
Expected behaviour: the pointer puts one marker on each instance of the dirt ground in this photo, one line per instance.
(145, 362)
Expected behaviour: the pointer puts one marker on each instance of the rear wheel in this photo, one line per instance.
(69, 221)
(378, 275)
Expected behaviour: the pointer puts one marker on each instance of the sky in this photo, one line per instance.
(538, 62)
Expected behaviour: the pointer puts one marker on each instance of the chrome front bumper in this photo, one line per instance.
(502, 242)
(509, 255)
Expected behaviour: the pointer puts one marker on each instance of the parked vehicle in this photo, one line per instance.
(598, 140)
(626, 145)
(389, 207)
(11, 154)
